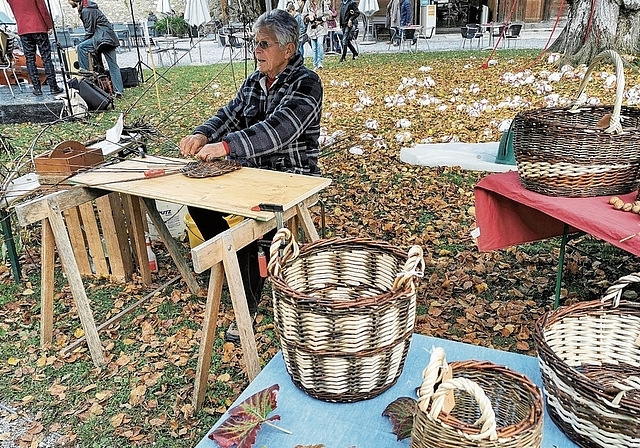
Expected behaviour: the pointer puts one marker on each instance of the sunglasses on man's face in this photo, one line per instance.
(263, 44)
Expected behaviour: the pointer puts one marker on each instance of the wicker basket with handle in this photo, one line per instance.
(493, 406)
(580, 151)
(589, 355)
(344, 312)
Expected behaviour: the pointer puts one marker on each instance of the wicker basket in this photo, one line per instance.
(344, 312)
(571, 151)
(493, 406)
(589, 356)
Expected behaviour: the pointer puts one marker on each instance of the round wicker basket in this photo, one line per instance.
(580, 151)
(344, 312)
(589, 357)
(493, 406)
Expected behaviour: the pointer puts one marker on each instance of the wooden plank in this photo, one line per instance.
(74, 228)
(94, 240)
(121, 223)
(108, 226)
(208, 334)
(208, 253)
(38, 209)
(240, 307)
(171, 245)
(219, 193)
(65, 252)
(307, 222)
(47, 257)
(136, 231)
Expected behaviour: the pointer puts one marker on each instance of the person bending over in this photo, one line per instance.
(273, 123)
(99, 38)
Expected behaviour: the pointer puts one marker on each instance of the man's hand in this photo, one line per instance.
(191, 144)
(211, 151)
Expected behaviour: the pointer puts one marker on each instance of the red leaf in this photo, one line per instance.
(241, 428)
(401, 412)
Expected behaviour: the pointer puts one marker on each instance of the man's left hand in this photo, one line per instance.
(211, 151)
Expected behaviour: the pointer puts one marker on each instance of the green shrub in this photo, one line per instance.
(176, 26)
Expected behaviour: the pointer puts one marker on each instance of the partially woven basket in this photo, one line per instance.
(344, 312)
(589, 356)
(493, 406)
(580, 151)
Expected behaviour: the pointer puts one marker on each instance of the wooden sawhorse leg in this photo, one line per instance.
(219, 255)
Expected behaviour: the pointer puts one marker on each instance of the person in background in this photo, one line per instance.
(34, 25)
(99, 38)
(302, 27)
(151, 23)
(349, 13)
(280, 133)
(333, 41)
(315, 13)
(406, 16)
(393, 20)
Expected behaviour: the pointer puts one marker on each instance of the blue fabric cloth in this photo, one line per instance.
(361, 424)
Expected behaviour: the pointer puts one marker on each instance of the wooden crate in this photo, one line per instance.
(67, 158)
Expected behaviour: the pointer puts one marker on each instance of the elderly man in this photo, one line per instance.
(272, 123)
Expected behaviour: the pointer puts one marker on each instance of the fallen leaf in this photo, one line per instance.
(401, 412)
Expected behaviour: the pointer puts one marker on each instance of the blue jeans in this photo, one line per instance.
(85, 47)
(317, 49)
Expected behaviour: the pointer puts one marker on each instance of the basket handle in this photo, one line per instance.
(614, 292)
(431, 375)
(414, 267)
(284, 247)
(615, 125)
(487, 417)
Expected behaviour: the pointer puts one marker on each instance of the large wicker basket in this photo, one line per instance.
(493, 406)
(344, 313)
(580, 151)
(589, 356)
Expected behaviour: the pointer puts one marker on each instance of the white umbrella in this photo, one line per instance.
(56, 9)
(164, 7)
(368, 8)
(197, 12)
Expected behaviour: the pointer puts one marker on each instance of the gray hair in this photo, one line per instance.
(282, 24)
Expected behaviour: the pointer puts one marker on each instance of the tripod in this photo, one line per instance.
(139, 64)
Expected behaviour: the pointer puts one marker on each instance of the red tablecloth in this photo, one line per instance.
(507, 214)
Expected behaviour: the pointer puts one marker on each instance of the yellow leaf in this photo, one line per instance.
(27, 292)
(117, 419)
(224, 378)
(137, 395)
(103, 395)
(128, 341)
(13, 361)
(78, 332)
(42, 361)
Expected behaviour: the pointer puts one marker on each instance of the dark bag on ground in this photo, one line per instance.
(94, 96)
(129, 77)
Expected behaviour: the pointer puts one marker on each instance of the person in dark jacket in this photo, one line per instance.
(99, 38)
(34, 25)
(349, 13)
(273, 123)
(406, 16)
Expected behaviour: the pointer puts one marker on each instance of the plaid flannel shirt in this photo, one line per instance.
(276, 130)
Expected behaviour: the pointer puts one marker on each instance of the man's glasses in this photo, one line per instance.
(263, 44)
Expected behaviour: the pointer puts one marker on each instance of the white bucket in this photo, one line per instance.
(173, 217)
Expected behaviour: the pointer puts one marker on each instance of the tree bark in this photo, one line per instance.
(597, 25)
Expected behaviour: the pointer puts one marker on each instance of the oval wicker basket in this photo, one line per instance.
(494, 406)
(580, 151)
(344, 312)
(589, 357)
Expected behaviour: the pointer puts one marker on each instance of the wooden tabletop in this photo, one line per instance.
(234, 193)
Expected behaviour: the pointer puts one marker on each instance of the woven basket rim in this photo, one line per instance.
(545, 116)
(376, 299)
(534, 420)
(548, 356)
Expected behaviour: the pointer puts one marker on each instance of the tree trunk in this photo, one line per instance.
(597, 25)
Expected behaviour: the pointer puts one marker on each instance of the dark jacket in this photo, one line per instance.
(32, 16)
(349, 11)
(98, 28)
(277, 131)
(406, 15)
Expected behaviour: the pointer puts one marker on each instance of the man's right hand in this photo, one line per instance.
(191, 144)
